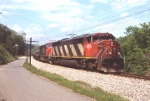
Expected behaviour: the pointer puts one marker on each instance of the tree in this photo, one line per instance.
(8, 39)
(135, 46)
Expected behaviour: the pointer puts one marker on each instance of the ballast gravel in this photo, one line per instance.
(130, 88)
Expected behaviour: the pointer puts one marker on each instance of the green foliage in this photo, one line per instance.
(5, 56)
(135, 48)
(8, 39)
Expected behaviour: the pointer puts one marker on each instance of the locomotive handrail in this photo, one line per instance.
(103, 54)
(119, 53)
(98, 53)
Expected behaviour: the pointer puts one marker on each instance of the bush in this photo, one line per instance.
(5, 56)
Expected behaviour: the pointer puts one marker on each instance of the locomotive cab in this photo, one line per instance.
(44, 51)
(48, 49)
(103, 53)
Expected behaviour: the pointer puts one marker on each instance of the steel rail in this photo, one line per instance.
(135, 76)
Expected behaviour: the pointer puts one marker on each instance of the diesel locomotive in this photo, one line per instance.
(97, 51)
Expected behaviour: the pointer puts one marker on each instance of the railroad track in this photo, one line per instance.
(132, 76)
(125, 75)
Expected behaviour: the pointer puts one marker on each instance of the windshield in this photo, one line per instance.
(103, 38)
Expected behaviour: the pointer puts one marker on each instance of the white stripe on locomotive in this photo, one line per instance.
(66, 49)
(61, 50)
(73, 50)
(57, 51)
(80, 46)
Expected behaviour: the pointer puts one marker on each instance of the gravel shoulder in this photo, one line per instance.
(133, 89)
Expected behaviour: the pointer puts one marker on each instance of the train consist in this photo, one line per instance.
(97, 51)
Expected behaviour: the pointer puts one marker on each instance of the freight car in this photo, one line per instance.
(43, 53)
(97, 51)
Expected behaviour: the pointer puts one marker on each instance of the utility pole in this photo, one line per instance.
(27, 51)
(30, 48)
(16, 45)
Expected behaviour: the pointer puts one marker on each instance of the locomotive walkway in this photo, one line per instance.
(17, 84)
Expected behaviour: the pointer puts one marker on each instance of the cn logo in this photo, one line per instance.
(89, 46)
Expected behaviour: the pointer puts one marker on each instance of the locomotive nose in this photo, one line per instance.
(112, 48)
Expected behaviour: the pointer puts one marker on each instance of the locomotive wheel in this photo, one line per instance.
(58, 61)
(90, 67)
(116, 66)
(108, 69)
(50, 61)
(117, 69)
(81, 64)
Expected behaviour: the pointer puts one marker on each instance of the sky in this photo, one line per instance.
(51, 20)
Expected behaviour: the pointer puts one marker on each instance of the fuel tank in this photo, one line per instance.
(69, 62)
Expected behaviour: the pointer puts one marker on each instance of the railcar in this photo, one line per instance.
(35, 54)
(97, 51)
(43, 53)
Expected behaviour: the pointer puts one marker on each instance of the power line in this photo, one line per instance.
(4, 5)
(105, 14)
(1, 1)
(113, 20)
(34, 21)
(68, 32)
(111, 17)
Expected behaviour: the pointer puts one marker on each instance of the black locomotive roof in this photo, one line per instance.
(65, 39)
(70, 39)
(79, 37)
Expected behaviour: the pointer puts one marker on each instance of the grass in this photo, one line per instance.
(77, 86)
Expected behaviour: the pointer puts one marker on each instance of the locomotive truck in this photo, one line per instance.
(97, 51)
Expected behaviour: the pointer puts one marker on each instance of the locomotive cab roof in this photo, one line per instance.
(103, 34)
